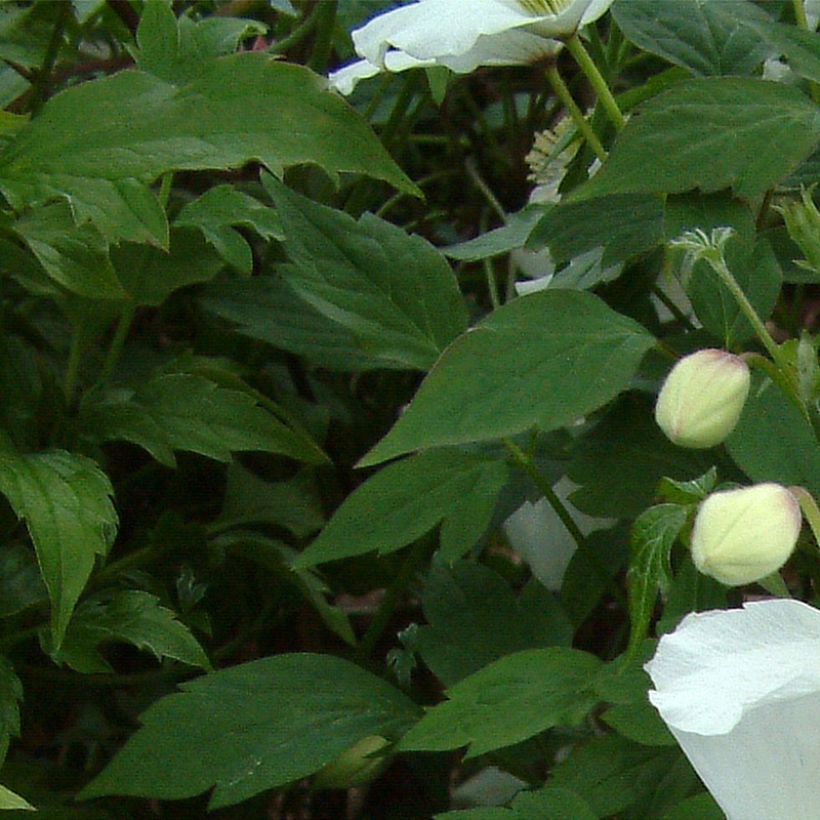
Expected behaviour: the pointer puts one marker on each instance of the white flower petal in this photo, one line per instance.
(719, 665)
(740, 690)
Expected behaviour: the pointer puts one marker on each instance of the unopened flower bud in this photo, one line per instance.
(358, 765)
(741, 536)
(702, 398)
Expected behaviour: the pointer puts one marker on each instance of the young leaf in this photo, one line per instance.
(96, 144)
(182, 411)
(132, 616)
(653, 535)
(254, 727)
(710, 39)
(66, 502)
(177, 50)
(216, 213)
(474, 618)
(711, 134)
(394, 292)
(512, 699)
(10, 800)
(405, 500)
(543, 361)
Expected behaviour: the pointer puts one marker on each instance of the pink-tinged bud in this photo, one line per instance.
(702, 398)
(741, 536)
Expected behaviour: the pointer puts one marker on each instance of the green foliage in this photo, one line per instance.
(224, 294)
(257, 725)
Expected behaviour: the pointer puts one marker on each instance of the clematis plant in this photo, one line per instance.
(740, 690)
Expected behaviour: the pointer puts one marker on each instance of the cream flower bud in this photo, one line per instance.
(744, 535)
(358, 765)
(702, 398)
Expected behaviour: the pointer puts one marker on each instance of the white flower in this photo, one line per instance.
(464, 34)
(740, 690)
(741, 536)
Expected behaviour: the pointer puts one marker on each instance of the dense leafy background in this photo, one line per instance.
(270, 397)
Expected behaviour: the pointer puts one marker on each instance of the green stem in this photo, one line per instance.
(417, 555)
(43, 78)
(298, 34)
(810, 510)
(587, 65)
(129, 310)
(485, 189)
(800, 14)
(563, 94)
(525, 462)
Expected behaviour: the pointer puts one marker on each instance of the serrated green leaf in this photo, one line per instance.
(97, 144)
(394, 292)
(773, 442)
(708, 38)
(700, 807)
(74, 256)
(688, 492)
(65, 500)
(254, 726)
(150, 275)
(216, 213)
(183, 411)
(403, 501)
(612, 773)
(653, 535)
(267, 309)
(711, 134)
(131, 616)
(512, 699)
(801, 48)
(177, 50)
(542, 360)
(474, 618)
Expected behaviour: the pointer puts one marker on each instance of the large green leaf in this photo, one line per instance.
(532, 805)
(709, 38)
(475, 618)
(624, 225)
(184, 411)
(150, 275)
(253, 727)
(773, 441)
(542, 360)
(395, 293)
(66, 502)
(711, 134)
(99, 143)
(131, 616)
(266, 308)
(512, 699)
(407, 499)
